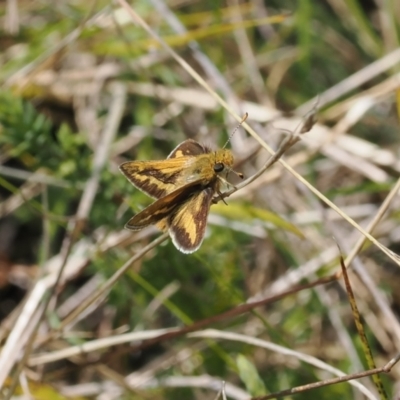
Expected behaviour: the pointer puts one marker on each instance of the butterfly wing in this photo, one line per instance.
(158, 178)
(188, 148)
(187, 223)
(161, 208)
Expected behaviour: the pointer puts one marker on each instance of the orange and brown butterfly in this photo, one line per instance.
(184, 186)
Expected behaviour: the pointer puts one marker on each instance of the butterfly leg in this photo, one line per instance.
(216, 199)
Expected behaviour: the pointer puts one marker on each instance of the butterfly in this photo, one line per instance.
(184, 185)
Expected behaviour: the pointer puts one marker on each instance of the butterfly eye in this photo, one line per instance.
(219, 167)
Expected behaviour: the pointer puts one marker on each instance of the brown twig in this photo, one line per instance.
(239, 310)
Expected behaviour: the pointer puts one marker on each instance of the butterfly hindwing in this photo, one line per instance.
(188, 148)
(187, 223)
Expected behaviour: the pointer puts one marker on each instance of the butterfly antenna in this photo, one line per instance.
(239, 174)
(234, 131)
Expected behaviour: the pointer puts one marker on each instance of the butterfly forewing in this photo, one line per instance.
(158, 178)
(161, 208)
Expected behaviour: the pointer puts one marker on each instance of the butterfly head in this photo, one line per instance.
(223, 163)
(223, 160)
